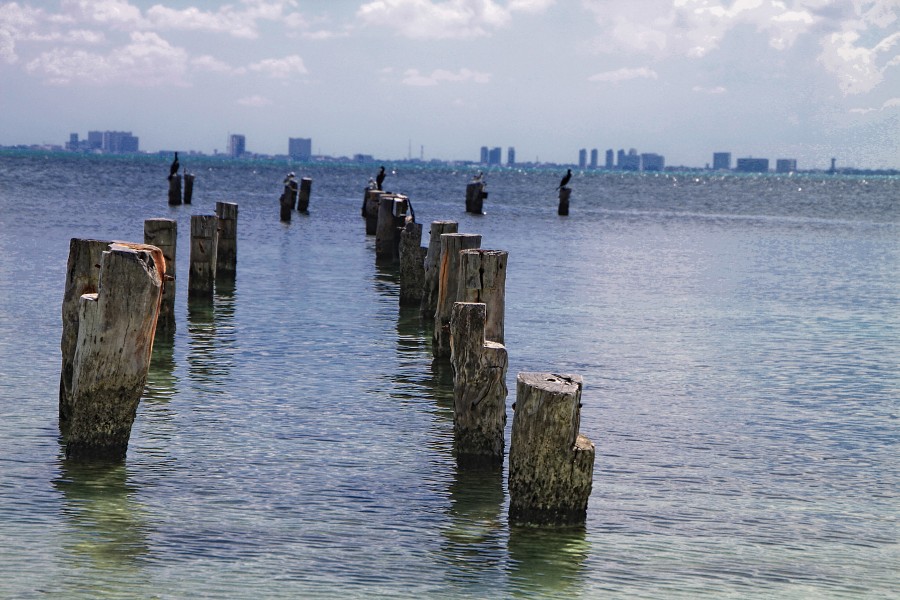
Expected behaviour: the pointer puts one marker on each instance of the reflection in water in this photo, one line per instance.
(474, 541)
(211, 336)
(161, 379)
(108, 536)
(547, 562)
(387, 279)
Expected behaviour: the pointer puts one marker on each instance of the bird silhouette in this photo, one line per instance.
(565, 179)
(173, 170)
(379, 179)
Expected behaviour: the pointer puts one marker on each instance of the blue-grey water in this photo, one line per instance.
(739, 338)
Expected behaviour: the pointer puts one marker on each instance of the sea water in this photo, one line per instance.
(739, 338)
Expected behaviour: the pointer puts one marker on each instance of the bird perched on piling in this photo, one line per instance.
(173, 170)
(565, 179)
(379, 179)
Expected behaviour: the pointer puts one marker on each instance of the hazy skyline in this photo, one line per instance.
(803, 79)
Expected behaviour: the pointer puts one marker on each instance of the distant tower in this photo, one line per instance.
(722, 161)
(485, 154)
(237, 145)
(595, 155)
(582, 158)
(300, 148)
(610, 157)
(833, 168)
(495, 157)
(511, 156)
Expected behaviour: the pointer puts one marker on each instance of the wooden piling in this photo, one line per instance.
(392, 210)
(479, 387)
(482, 277)
(303, 198)
(116, 328)
(550, 464)
(288, 200)
(412, 265)
(433, 266)
(370, 210)
(564, 194)
(448, 287)
(163, 233)
(475, 196)
(175, 190)
(202, 276)
(188, 187)
(82, 277)
(226, 242)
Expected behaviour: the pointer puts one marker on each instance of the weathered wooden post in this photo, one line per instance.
(564, 193)
(303, 198)
(551, 465)
(370, 210)
(433, 266)
(163, 233)
(412, 265)
(392, 209)
(479, 387)
(202, 276)
(475, 196)
(448, 287)
(226, 244)
(482, 277)
(188, 187)
(288, 200)
(115, 339)
(175, 189)
(82, 277)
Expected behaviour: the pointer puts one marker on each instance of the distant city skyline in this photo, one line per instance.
(806, 79)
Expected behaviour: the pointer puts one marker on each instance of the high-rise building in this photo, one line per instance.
(785, 165)
(72, 144)
(485, 155)
(582, 158)
(610, 155)
(511, 156)
(237, 145)
(595, 155)
(752, 165)
(620, 158)
(119, 142)
(496, 156)
(300, 148)
(630, 161)
(653, 162)
(722, 161)
(95, 140)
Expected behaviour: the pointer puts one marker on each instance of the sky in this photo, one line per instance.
(439, 79)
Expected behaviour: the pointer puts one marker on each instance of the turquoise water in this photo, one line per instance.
(739, 338)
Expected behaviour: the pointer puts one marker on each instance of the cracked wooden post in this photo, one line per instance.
(202, 275)
(303, 198)
(188, 187)
(82, 277)
(475, 196)
(370, 209)
(175, 190)
(163, 233)
(551, 465)
(115, 339)
(392, 209)
(412, 265)
(288, 200)
(564, 194)
(479, 387)
(433, 266)
(482, 276)
(226, 241)
(448, 287)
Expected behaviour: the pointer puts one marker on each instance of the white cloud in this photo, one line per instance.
(147, 61)
(226, 20)
(623, 74)
(280, 68)
(107, 12)
(211, 64)
(450, 19)
(858, 69)
(255, 101)
(709, 90)
(414, 78)
(887, 105)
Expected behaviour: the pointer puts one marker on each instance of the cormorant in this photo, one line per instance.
(173, 170)
(565, 179)
(379, 179)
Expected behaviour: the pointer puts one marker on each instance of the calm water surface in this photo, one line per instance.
(739, 338)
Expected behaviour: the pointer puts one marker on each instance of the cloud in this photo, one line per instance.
(450, 19)
(709, 90)
(255, 101)
(106, 12)
(858, 68)
(7, 47)
(623, 74)
(887, 105)
(414, 78)
(147, 61)
(280, 68)
(226, 20)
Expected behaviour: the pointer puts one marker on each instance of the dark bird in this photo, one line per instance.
(173, 170)
(565, 179)
(379, 179)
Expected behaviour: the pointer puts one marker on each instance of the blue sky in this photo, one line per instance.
(804, 79)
